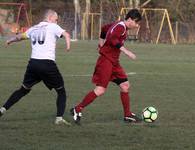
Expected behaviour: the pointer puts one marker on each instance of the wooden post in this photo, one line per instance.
(161, 25)
(92, 26)
(170, 28)
(176, 31)
(18, 16)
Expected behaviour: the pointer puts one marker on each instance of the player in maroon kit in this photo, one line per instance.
(108, 68)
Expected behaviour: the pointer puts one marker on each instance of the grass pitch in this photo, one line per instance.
(163, 76)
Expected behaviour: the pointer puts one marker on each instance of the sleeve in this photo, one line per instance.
(57, 30)
(104, 30)
(115, 36)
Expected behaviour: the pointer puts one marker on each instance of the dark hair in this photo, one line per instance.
(134, 14)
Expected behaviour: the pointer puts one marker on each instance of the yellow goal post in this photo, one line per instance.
(90, 21)
(145, 12)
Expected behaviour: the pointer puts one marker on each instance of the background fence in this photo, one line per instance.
(84, 18)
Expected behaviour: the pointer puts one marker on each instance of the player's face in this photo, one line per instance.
(132, 23)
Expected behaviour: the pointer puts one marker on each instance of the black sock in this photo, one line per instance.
(15, 97)
(61, 101)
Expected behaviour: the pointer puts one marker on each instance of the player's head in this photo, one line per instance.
(50, 16)
(132, 18)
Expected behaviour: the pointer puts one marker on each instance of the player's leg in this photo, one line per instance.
(129, 116)
(88, 99)
(52, 78)
(125, 98)
(120, 78)
(61, 101)
(61, 105)
(30, 79)
(124, 94)
(101, 78)
(14, 98)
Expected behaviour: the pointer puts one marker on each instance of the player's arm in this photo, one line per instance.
(103, 33)
(17, 38)
(128, 52)
(101, 42)
(117, 32)
(66, 35)
(102, 37)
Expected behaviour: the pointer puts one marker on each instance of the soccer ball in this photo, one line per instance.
(149, 114)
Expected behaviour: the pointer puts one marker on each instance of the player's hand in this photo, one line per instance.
(127, 52)
(132, 56)
(98, 48)
(8, 42)
(67, 48)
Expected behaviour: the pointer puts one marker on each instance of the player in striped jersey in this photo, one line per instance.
(42, 66)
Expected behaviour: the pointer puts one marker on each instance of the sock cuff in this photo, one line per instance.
(2, 109)
(92, 92)
(58, 118)
(124, 92)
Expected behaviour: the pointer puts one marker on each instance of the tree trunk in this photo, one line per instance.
(77, 19)
(87, 11)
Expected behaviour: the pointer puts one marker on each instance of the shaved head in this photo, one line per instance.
(50, 15)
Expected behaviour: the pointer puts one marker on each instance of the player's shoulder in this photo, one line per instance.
(46, 24)
(39, 25)
(54, 25)
(120, 24)
(108, 25)
(118, 27)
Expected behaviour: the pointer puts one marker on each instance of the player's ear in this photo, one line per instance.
(49, 18)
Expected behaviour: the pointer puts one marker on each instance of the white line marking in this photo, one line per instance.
(131, 73)
(89, 75)
(78, 75)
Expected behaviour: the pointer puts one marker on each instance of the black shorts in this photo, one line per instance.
(43, 70)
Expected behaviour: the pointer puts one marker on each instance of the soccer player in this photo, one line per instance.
(108, 68)
(42, 66)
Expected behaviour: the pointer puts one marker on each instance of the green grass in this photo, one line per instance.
(164, 79)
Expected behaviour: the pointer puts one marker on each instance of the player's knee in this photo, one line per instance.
(99, 90)
(61, 91)
(125, 86)
(24, 90)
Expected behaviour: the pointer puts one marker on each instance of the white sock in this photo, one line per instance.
(58, 118)
(3, 110)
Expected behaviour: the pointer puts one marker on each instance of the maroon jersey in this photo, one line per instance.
(114, 34)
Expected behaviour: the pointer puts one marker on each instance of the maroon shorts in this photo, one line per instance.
(105, 71)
